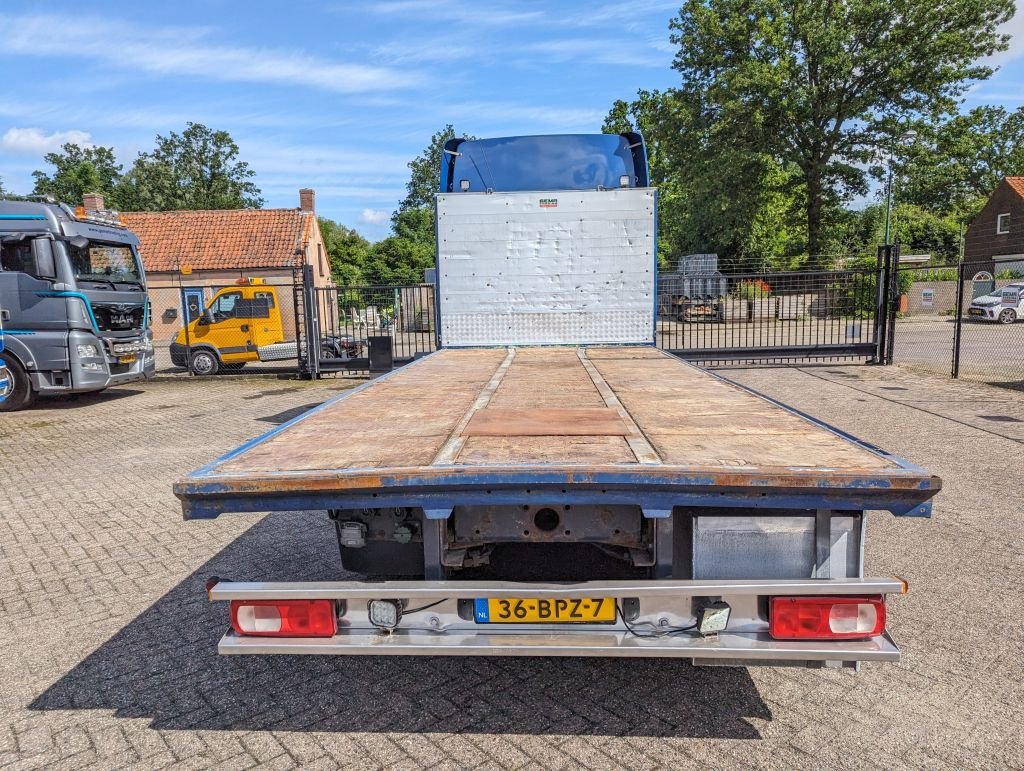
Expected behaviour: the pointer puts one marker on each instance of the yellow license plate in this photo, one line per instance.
(590, 610)
(125, 359)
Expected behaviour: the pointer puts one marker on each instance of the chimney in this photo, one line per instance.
(92, 201)
(307, 200)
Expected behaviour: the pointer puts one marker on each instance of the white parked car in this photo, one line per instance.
(1004, 305)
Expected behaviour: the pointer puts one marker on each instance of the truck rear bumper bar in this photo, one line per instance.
(436, 590)
(727, 646)
(440, 625)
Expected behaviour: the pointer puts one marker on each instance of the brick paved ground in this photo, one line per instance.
(107, 647)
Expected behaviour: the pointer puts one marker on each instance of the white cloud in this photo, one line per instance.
(189, 51)
(599, 50)
(1015, 29)
(34, 141)
(454, 11)
(374, 216)
(468, 114)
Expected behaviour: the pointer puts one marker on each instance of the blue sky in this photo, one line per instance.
(337, 96)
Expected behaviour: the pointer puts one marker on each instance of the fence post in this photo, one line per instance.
(183, 303)
(311, 323)
(894, 301)
(881, 318)
(959, 319)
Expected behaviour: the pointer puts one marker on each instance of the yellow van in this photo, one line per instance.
(241, 323)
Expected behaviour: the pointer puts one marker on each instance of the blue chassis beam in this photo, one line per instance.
(905, 490)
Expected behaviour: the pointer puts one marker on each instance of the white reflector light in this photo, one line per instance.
(843, 619)
(259, 618)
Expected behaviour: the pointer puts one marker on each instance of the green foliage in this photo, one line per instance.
(935, 274)
(397, 260)
(197, 169)
(824, 87)
(752, 289)
(79, 170)
(712, 195)
(414, 219)
(1006, 273)
(346, 251)
(955, 164)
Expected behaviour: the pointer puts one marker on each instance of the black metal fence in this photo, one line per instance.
(252, 325)
(378, 325)
(296, 326)
(771, 317)
(989, 331)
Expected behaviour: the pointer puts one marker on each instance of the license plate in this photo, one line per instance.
(589, 610)
(126, 359)
(975, 312)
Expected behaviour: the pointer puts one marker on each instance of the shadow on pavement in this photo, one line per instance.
(163, 666)
(76, 401)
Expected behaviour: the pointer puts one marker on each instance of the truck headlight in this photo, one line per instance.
(88, 351)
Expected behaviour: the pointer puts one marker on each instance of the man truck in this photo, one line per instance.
(72, 300)
(550, 483)
(5, 375)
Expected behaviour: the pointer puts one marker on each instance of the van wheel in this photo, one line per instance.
(20, 394)
(1008, 316)
(203, 362)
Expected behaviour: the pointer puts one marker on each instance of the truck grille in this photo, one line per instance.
(118, 317)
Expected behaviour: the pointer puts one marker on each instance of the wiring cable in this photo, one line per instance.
(660, 632)
(407, 611)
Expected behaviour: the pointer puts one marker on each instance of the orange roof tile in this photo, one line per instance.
(220, 240)
(1017, 185)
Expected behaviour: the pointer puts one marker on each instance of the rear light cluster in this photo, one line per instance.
(284, 618)
(826, 618)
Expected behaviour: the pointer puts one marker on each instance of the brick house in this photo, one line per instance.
(998, 230)
(188, 255)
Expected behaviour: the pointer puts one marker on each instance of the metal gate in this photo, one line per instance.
(776, 317)
(988, 343)
(366, 328)
(965, 320)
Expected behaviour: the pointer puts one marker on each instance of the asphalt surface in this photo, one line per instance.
(989, 353)
(108, 646)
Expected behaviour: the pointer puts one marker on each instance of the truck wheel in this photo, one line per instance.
(204, 362)
(21, 394)
(1008, 316)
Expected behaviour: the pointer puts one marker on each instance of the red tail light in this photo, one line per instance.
(826, 618)
(284, 618)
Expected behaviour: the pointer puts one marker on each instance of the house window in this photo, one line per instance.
(320, 257)
(1003, 224)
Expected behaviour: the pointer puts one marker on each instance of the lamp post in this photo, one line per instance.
(907, 136)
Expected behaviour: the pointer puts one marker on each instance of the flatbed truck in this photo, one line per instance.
(550, 483)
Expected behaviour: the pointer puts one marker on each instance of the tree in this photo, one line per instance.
(825, 86)
(712, 196)
(954, 165)
(197, 169)
(414, 218)
(347, 251)
(397, 260)
(79, 170)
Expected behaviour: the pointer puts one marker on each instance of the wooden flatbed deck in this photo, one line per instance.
(569, 416)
